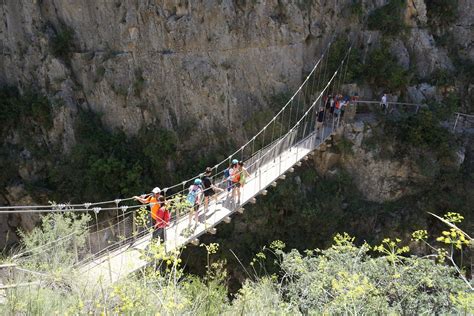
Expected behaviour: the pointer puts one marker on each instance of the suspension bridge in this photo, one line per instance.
(113, 250)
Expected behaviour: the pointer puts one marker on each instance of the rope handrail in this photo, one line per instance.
(464, 114)
(388, 102)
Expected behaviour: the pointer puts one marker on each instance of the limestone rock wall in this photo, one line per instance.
(178, 62)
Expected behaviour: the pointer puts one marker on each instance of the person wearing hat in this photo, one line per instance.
(194, 199)
(209, 188)
(153, 200)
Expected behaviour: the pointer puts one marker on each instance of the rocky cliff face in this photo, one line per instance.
(378, 179)
(169, 62)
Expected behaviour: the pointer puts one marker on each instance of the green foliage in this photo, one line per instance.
(50, 247)
(441, 13)
(345, 279)
(339, 280)
(139, 82)
(161, 288)
(110, 164)
(383, 71)
(277, 101)
(388, 19)
(261, 298)
(352, 69)
(442, 77)
(421, 132)
(99, 73)
(22, 111)
(27, 116)
(357, 8)
(344, 146)
(62, 42)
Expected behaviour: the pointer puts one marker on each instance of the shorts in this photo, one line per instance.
(236, 185)
(319, 124)
(209, 192)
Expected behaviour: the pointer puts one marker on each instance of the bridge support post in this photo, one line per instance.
(134, 223)
(74, 246)
(212, 230)
(456, 122)
(279, 167)
(110, 267)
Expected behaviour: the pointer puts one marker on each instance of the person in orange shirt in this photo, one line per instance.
(152, 199)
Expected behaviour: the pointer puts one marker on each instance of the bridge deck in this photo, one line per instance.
(128, 259)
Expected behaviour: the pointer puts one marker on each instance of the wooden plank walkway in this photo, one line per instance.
(111, 267)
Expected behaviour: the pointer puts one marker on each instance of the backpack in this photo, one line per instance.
(193, 194)
(236, 176)
(227, 173)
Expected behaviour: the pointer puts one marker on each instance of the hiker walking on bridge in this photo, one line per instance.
(244, 174)
(194, 199)
(319, 122)
(235, 178)
(383, 103)
(210, 189)
(152, 200)
(162, 219)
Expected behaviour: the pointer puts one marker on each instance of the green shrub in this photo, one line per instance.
(441, 13)
(344, 146)
(139, 82)
(99, 73)
(388, 19)
(49, 247)
(345, 279)
(20, 112)
(422, 131)
(62, 42)
(110, 163)
(442, 77)
(352, 69)
(383, 71)
(357, 9)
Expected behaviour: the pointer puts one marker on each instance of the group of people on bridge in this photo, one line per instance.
(203, 189)
(199, 194)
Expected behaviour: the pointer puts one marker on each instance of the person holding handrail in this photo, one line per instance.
(210, 190)
(152, 200)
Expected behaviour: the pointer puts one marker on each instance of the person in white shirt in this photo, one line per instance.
(383, 103)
